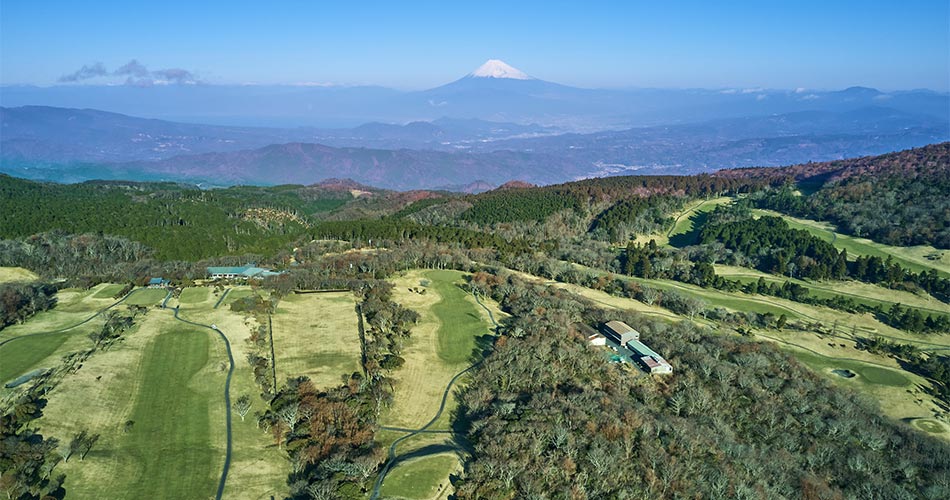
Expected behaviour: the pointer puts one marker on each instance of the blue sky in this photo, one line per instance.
(812, 44)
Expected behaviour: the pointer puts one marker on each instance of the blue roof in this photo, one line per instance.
(227, 270)
(156, 281)
(642, 349)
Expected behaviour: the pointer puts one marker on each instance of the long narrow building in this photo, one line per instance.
(650, 359)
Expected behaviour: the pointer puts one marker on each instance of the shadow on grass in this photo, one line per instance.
(690, 237)
(425, 451)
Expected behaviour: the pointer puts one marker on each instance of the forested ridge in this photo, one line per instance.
(898, 199)
(176, 222)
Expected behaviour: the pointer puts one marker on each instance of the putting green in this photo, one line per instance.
(421, 478)
(865, 373)
(460, 321)
(194, 295)
(929, 425)
(147, 297)
(108, 291)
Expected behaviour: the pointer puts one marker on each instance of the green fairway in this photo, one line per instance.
(867, 374)
(21, 356)
(147, 297)
(108, 291)
(420, 478)
(194, 295)
(170, 447)
(460, 321)
(316, 335)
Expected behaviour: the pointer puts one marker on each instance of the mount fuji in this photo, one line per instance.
(496, 68)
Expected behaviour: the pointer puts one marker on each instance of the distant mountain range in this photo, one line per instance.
(494, 92)
(702, 130)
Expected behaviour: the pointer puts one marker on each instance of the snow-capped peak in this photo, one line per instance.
(494, 68)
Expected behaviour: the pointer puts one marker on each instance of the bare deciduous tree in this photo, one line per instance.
(242, 406)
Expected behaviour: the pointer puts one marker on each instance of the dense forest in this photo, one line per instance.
(548, 418)
(177, 222)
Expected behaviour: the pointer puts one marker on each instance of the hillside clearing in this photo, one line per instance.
(16, 274)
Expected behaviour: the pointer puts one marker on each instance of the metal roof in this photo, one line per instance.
(619, 327)
(642, 349)
(246, 271)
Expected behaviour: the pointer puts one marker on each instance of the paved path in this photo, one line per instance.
(227, 400)
(223, 295)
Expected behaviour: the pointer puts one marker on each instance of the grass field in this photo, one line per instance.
(108, 291)
(162, 378)
(258, 469)
(436, 351)
(167, 377)
(459, 320)
(22, 356)
(172, 438)
(194, 295)
(316, 335)
(147, 297)
(420, 477)
(45, 351)
(14, 274)
(913, 258)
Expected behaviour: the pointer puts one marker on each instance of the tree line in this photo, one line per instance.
(19, 301)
